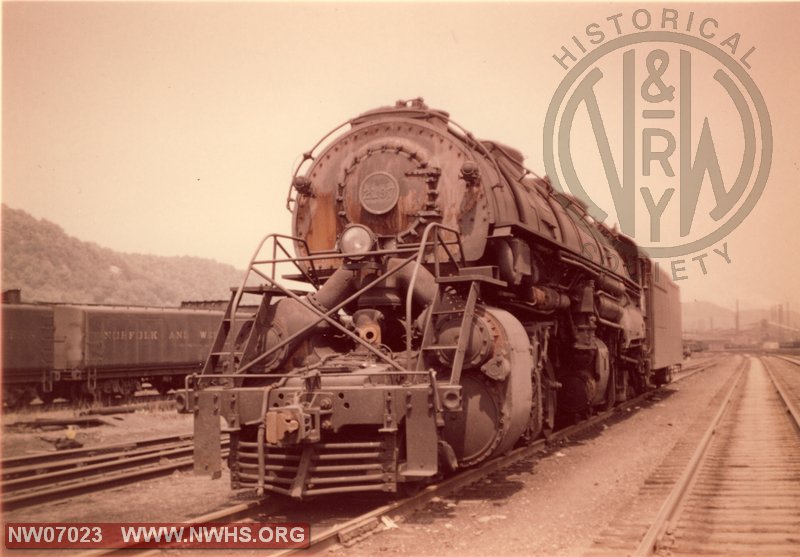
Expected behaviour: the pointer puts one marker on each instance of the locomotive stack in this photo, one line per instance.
(459, 305)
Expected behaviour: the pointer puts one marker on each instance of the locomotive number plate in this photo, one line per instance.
(379, 193)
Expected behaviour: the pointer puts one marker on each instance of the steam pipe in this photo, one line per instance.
(324, 316)
(424, 286)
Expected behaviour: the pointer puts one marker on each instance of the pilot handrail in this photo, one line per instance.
(322, 316)
(437, 227)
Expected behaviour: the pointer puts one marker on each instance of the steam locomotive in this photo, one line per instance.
(455, 305)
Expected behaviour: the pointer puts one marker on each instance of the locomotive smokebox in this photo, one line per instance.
(396, 170)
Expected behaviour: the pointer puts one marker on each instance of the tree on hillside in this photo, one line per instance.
(48, 265)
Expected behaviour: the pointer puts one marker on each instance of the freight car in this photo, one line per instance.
(458, 306)
(27, 350)
(92, 352)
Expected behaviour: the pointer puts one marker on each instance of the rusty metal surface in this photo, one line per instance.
(394, 174)
(396, 169)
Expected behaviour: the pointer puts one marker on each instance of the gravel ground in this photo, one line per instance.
(177, 497)
(558, 503)
(156, 420)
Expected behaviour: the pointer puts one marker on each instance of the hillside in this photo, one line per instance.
(45, 263)
(48, 265)
(700, 316)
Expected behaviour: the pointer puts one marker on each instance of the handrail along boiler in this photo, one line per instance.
(458, 306)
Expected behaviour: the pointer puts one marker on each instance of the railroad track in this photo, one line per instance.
(691, 368)
(332, 526)
(787, 380)
(789, 359)
(740, 493)
(362, 526)
(31, 479)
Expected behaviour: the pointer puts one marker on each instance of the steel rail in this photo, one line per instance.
(670, 507)
(77, 469)
(787, 359)
(24, 487)
(367, 523)
(16, 461)
(696, 367)
(791, 407)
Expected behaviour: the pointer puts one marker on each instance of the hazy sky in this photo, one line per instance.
(173, 128)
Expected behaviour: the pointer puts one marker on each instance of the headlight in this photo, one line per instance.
(356, 239)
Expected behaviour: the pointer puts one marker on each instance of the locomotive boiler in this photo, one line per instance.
(455, 305)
